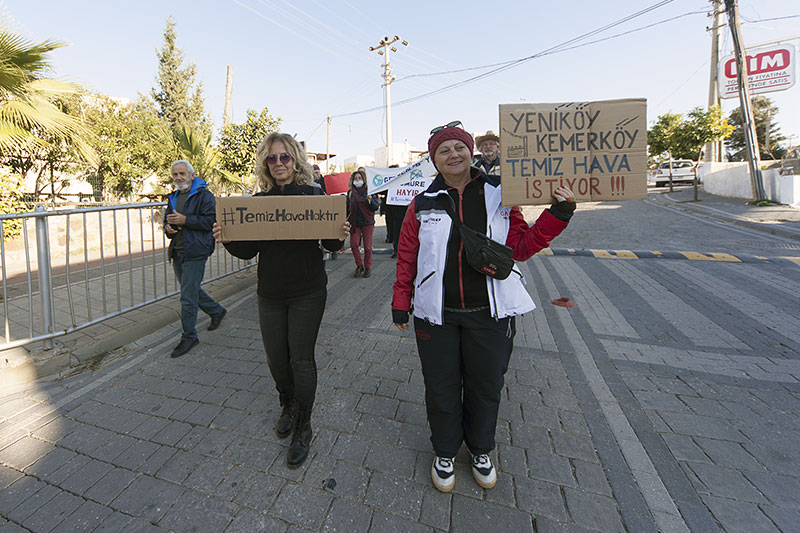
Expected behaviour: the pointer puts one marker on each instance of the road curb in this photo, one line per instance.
(730, 217)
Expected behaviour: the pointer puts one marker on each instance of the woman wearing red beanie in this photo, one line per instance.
(464, 319)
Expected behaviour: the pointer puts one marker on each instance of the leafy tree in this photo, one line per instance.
(11, 202)
(702, 127)
(684, 138)
(662, 136)
(238, 142)
(132, 143)
(764, 113)
(175, 83)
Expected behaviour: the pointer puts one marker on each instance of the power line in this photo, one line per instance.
(307, 137)
(706, 62)
(503, 63)
(301, 20)
(346, 21)
(288, 29)
(769, 19)
(510, 64)
(331, 47)
(320, 23)
(354, 8)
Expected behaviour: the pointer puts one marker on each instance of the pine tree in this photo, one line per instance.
(175, 83)
(764, 113)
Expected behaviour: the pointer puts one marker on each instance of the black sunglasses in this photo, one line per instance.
(453, 124)
(273, 158)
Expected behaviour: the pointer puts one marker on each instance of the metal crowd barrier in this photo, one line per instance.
(113, 261)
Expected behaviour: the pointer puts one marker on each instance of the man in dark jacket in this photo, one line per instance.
(191, 212)
(319, 179)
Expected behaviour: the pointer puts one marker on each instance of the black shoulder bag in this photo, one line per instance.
(483, 254)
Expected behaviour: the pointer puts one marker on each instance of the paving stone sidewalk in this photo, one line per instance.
(667, 400)
(777, 219)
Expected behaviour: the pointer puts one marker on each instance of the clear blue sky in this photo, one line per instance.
(309, 58)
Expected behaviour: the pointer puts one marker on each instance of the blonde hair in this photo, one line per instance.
(301, 168)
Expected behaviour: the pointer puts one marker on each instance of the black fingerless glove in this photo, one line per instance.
(563, 210)
(399, 316)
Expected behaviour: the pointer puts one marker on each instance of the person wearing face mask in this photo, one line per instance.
(361, 209)
(489, 159)
(190, 214)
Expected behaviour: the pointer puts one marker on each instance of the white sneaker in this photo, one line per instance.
(443, 473)
(483, 471)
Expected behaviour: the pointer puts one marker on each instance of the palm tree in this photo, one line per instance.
(29, 114)
(195, 145)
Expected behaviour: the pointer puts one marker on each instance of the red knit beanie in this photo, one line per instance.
(447, 134)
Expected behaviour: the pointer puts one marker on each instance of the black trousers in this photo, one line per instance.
(463, 364)
(394, 222)
(289, 329)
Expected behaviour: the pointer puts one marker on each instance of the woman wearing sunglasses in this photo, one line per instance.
(361, 209)
(291, 291)
(463, 318)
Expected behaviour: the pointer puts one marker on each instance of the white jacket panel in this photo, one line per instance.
(507, 297)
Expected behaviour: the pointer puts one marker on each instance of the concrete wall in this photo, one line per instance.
(733, 180)
(145, 232)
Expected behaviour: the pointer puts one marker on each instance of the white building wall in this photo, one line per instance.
(733, 180)
(401, 155)
(359, 161)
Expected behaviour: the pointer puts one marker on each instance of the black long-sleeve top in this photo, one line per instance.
(290, 268)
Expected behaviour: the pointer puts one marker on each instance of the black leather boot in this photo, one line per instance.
(286, 421)
(301, 440)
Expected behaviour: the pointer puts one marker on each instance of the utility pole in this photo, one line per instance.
(226, 116)
(386, 44)
(714, 148)
(749, 123)
(328, 148)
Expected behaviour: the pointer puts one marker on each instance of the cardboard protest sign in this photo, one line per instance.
(265, 218)
(597, 149)
(401, 184)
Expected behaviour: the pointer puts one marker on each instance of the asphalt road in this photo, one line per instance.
(649, 225)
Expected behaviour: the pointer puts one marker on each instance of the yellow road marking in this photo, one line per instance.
(695, 256)
(626, 254)
(720, 256)
(601, 253)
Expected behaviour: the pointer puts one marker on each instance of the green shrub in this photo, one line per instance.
(11, 202)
